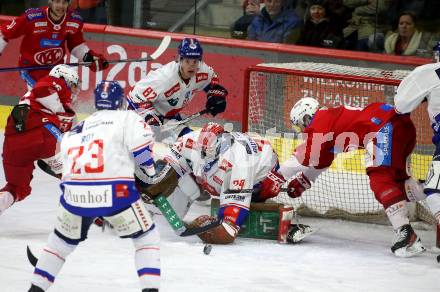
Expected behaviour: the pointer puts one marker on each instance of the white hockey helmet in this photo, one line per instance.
(67, 73)
(209, 140)
(303, 111)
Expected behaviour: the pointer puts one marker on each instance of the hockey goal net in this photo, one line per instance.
(343, 190)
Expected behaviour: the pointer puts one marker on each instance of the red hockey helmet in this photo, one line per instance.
(209, 140)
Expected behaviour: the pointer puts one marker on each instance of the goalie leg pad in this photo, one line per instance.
(223, 234)
(432, 182)
(414, 190)
(131, 221)
(51, 261)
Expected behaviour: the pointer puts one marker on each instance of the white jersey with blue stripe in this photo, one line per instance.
(99, 157)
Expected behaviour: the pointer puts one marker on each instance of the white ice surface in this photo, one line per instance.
(341, 257)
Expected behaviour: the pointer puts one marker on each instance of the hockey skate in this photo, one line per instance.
(35, 289)
(407, 243)
(297, 232)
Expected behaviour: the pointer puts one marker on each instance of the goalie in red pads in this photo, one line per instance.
(388, 138)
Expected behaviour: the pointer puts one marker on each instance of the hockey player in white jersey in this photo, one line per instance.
(99, 156)
(161, 95)
(423, 84)
(234, 167)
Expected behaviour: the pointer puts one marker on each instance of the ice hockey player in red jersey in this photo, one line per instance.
(33, 128)
(388, 138)
(47, 32)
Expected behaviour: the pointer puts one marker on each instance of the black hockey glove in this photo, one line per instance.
(216, 102)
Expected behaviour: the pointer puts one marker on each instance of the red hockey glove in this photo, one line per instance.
(298, 185)
(98, 61)
(66, 120)
(270, 186)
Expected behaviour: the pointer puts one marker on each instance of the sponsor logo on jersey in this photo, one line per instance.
(76, 16)
(34, 15)
(172, 90)
(189, 144)
(225, 165)
(201, 76)
(72, 24)
(39, 31)
(40, 23)
(235, 197)
(46, 43)
(49, 56)
(121, 191)
(88, 196)
(54, 35)
(173, 101)
(217, 180)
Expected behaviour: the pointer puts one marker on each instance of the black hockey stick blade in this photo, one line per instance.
(31, 258)
(46, 168)
(201, 229)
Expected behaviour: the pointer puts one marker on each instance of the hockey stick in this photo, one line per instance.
(248, 191)
(156, 54)
(31, 257)
(162, 204)
(173, 124)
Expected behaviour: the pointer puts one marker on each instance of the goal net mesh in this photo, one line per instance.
(343, 190)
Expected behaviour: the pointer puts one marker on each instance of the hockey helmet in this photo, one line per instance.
(67, 73)
(190, 48)
(303, 111)
(209, 140)
(109, 95)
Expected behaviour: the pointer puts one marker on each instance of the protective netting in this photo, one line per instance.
(342, 191)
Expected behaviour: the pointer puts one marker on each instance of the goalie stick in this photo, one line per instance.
(156, 54)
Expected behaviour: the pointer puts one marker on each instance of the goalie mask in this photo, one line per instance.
(109, 95)
(209, 141)
(302, 113)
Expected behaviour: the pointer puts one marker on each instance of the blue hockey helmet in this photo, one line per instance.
(109, 95)
(190, 48)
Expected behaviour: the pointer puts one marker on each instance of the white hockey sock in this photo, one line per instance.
(398, 214)
(51, 261)
(6, 201)
(147, 259)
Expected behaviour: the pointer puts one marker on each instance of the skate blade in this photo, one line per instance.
(301, 234)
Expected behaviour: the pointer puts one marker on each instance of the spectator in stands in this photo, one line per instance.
(319, 29)
(275, 24)
(339, 13)
(407, 40)
(251, 8)
(365, 30)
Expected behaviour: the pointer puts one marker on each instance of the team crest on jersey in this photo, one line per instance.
(201, 76)
(172, 90)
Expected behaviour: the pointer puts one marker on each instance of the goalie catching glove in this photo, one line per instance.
(298, 185)
(162, 183)
(225, 233)
(216, 102)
